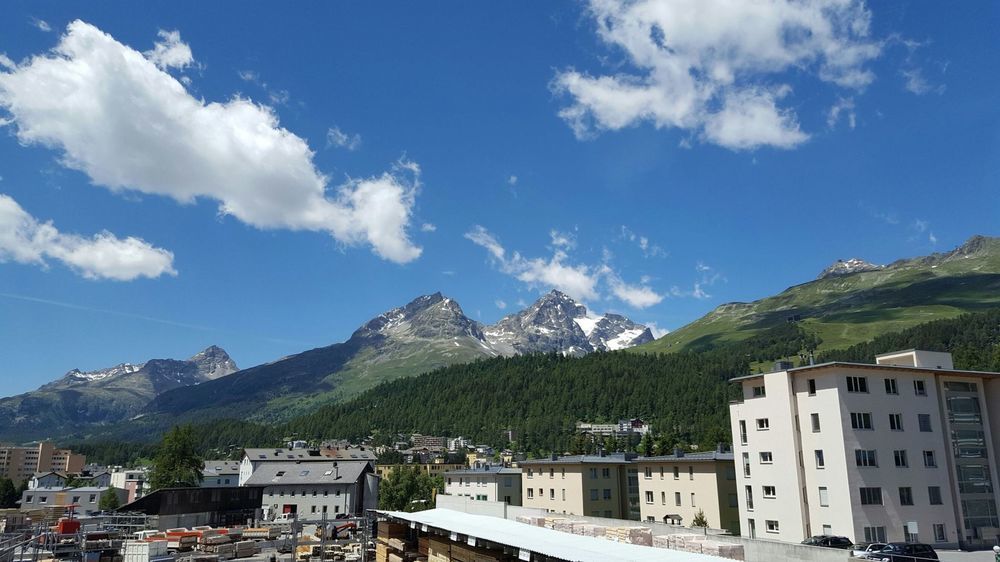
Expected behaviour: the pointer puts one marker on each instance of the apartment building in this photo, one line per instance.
(900, 450)
(21, 463)
(85, 500)
(595, 485)
(490, 483)
(253, 459)
(314, 488)
(220, 474)
(135, 482)
(676, 488)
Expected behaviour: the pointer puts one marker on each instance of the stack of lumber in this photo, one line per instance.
(699, 544)
(531, 520)
(244, 549)
(590, 530)
(630, 535)
(438, 550)
(465, 553)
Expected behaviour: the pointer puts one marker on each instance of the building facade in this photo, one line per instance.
(135, 482)
(220, 474)
(312, 489)
(676, 488)
(253, 459)
(430, 469)
(594, 485)
(900, 450)
(85, 500)
(492, 483)
(21, 463)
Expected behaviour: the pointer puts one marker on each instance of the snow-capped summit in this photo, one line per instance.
(847, 267)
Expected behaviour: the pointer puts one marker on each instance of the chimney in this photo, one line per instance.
(720, 448)
(678, 452)
(555, 457)
(602, 453)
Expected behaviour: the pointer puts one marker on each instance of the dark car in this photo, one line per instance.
(830, 541)
(905, 552)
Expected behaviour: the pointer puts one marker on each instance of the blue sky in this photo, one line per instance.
(268, 178)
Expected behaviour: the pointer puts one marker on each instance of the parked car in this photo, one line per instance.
(829, 541)
(905, 552)
(865, 550)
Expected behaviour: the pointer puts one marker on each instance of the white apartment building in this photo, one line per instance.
(490, 483)
(902, 450)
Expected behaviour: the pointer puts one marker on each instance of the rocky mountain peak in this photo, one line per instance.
(213, 362)
(848, 267)
(427, 316)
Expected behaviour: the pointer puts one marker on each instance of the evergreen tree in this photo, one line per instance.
(8, 493)
(699, 519)
(177, 463)
(646, 447)
(109, 500)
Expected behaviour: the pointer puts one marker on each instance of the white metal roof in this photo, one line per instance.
(548, 542)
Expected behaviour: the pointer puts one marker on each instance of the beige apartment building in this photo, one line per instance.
(900, 450)
(675, 488)
(490, 483)
(594, 485)
(21, 463)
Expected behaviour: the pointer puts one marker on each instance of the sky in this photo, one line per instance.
(176, 175)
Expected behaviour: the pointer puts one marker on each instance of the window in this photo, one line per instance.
(648, 472)
(743, 432)
(861, 420)
(690, 473)
(661, 473)
(824, 497)
(606, 472)
(734, 501)
(871, 496)
(677, 498)
(919, 389)
(900, 458)
(759, 392)
(820, 461)
(76, 499)
(771, 525)
(929, 460)
(562, 472)
(875, 534)
(896, 422)
(827, 529)
(865, 457)
(905, 495)
(692, 499)
(593, 494)
(663, 498)
(93, 498)
(607, 493)
(563, 495)
(763, 424)
(766, 458)
(677, 470)
(924, 421)
(857, 384)
(769, 492)
(649, 497)
(749, 491)
(313, 509)
(530, 473)
(593, 473)
(814, 418)
(746, 466)
(812, 387)
(939, 534)
(890, 386)
(552, 493)
(934, 495)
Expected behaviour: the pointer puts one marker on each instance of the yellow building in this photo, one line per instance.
(594, 485)
(675, 488)
(21, 463)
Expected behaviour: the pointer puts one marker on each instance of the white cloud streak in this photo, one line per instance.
(581, 281)
(845, 107)
(712, 67)
(501, 304)
(340, 139)
(119, 118)
(24, 239)
(42, 25)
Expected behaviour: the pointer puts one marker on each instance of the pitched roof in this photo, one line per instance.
(213, 468)
(329, 472)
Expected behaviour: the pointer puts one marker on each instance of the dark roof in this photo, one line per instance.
(689, 457)
(492, 470)
(171, 501)
(213, 468)
(289, 473)
(850, 365)
(280, 454)
(581, 459)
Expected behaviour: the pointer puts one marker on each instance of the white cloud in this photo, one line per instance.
(340, 139)
(171, 52)
(512, 180)
(249, 76)
(916, 83)
(128, 125)
(713, 67)
(500, 304)
(8, 64)
(428, 227)
(581, 281)
(637, 296)
(843, 106)
(657, 331)
(41, 24)
(931, 238)
(564, 240)
(24, 239)
(649, 249)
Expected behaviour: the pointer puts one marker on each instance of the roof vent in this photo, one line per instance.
(555, 457)
(678, 452)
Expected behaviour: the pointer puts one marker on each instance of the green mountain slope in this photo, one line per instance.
(845, 308)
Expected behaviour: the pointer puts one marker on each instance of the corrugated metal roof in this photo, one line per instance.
(581, 459)
(289, 473)
(547, 542)
(693, 457)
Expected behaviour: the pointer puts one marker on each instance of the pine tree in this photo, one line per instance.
(8, 493)
(109, 500)
(699, 519)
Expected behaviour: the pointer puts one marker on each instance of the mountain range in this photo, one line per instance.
(853, 300)
(430, 332)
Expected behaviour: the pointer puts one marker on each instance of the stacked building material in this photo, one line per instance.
(438, 550)
(245, 548)
(630, 535)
